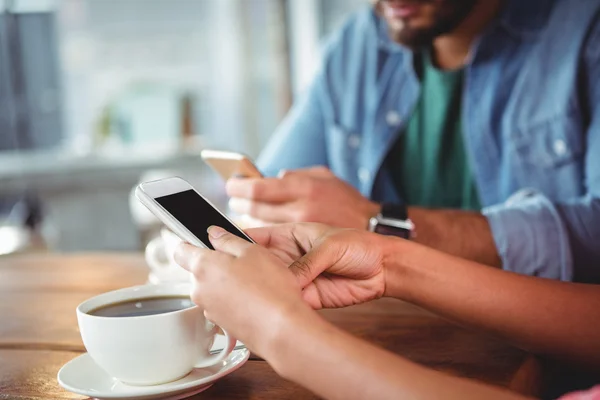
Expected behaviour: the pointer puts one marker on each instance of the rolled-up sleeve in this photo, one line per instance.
(531, 237)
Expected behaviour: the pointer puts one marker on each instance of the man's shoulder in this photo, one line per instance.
(548, 18)
(574, 16)
(573, 27)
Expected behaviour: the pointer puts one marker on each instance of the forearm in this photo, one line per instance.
(540, 315)
(461, 233)
(336, 365)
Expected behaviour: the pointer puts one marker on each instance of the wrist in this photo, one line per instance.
(397, 265)
(290, 329)
(428, 233)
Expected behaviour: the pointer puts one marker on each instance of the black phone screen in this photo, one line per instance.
(197, 215)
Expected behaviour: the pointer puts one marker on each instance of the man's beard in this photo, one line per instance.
(449, 15)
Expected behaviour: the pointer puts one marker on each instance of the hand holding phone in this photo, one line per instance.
(183, 210)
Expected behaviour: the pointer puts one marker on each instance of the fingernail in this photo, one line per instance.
(216, 232)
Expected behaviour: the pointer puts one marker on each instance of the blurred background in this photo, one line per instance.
(97, 95)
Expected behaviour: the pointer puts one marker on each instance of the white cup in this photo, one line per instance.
(159, 257)
(151, 349)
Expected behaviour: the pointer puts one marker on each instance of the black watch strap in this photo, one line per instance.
(394, 211)
(392, 221)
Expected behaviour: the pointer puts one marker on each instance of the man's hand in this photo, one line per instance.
(306, 195)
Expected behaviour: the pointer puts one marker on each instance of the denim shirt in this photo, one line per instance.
(531, 112)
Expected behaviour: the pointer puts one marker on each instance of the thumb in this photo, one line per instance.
(227, 242)
(308, 267)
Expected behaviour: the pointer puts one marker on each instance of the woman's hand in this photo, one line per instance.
(334, 267)
(243, 287)
(248, 290)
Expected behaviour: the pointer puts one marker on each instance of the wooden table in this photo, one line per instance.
(38, 332)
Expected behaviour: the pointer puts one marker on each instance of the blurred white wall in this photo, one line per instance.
(128, 71)
(310, 22)
(209, 48)
(238, 58)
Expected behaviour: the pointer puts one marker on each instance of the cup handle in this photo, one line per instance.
(153, 250)
(222, 355)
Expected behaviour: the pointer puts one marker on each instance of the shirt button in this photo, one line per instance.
(393, 118)
(354, 141)
(364, 175)
(560, 147)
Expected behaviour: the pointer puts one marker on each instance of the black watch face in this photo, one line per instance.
(392, 231)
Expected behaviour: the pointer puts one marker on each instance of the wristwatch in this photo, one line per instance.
(392, 220)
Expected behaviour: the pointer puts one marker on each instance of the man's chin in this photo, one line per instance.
(413, 39)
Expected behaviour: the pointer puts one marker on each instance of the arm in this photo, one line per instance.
(297, 342)
(461, 233)
(300, 139)
(561, 239)
(529, 235)
(543, 316)
(307, 191)
(582, 217)
(532, 235)
(337, 365)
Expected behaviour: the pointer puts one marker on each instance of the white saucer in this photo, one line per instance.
(82, 376)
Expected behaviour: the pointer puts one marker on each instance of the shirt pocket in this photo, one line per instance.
(549, 156)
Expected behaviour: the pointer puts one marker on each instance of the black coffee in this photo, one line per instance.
(141, 307)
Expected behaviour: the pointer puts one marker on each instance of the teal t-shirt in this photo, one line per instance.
(429, 163)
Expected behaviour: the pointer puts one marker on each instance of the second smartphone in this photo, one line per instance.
(230, 164)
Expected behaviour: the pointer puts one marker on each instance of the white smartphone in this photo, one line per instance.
(229, 164)
(183, 210)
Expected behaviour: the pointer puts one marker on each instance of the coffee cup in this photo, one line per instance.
(159, 257)
(149, 335)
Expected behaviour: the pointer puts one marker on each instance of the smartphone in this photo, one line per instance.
(183, 210)
(229, 164)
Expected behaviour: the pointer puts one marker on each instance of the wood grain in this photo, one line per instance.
(38, 333)
(89, 273)
(28, 374)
